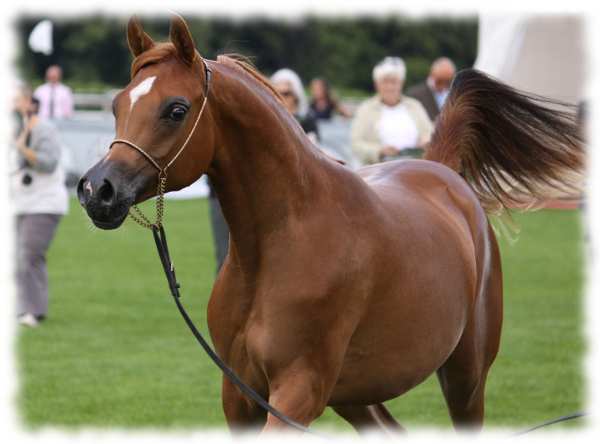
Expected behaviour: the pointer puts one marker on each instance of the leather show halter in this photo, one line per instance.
(163, 252)
(137, 215)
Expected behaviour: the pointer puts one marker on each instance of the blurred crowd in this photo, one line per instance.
(390, 125)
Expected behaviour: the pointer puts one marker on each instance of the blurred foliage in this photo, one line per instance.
(93, 49)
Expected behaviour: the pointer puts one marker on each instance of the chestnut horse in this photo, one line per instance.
(340, 288)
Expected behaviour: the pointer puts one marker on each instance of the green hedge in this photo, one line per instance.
(93, 49)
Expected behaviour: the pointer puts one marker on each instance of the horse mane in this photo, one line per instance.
(244, 64)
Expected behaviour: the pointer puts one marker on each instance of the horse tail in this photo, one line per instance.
(514, 149)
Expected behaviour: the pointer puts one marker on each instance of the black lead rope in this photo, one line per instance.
(163, 252)
(552, 421)
(160, 239)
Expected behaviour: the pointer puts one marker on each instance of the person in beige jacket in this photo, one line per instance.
(389, 123)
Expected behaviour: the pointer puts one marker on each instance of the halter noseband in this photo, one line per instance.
(139, 217)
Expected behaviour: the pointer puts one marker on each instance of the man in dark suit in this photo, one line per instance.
(433, 92)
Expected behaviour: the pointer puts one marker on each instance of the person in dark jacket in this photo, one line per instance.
(433, 91)
(323, 104)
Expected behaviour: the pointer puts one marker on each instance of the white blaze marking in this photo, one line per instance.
(88, 186)
(141, 90)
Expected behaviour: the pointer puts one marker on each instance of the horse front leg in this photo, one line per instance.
(241, 414)
(368, 418)
(301, 394)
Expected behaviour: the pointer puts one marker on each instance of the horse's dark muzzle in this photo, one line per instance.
(101, 191)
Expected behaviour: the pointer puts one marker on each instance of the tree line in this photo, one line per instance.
(93, 49)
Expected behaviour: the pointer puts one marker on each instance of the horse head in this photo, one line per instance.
(156, 115)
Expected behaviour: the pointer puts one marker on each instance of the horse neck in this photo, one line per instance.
(264, 172)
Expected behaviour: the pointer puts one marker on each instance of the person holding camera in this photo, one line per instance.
(39, 199)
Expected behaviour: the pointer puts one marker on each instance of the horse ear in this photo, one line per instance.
(137, 39)
(182, 39)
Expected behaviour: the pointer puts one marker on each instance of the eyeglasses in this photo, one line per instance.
(286, 94)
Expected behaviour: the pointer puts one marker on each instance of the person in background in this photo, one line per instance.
(324, 104)
(220, 229)
(56, 99)
(289, 86)
(39, 199)
(432, 93)
(389, 125)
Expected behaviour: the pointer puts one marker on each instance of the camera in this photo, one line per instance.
(27, 179)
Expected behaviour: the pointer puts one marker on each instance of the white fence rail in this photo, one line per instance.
(87, 135)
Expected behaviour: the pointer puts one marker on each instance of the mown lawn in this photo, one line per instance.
(115, 353)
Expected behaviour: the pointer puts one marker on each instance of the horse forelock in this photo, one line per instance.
(158, 53)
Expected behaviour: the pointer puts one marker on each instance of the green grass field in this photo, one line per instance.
(115, 352)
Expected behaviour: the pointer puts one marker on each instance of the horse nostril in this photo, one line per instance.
(80, 194)
(106, 193)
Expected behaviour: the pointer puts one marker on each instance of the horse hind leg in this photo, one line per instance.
(369, 418)
(464, 395)
(463, 375)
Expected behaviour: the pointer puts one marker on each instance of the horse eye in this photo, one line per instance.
(177, 113)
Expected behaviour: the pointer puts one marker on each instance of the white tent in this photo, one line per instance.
(541, 54)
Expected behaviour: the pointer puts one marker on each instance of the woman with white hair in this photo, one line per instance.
(389, 125)
(289, 86)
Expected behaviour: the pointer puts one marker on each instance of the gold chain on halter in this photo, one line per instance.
(136, 214)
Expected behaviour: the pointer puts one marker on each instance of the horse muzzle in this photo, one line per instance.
(106, 196)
